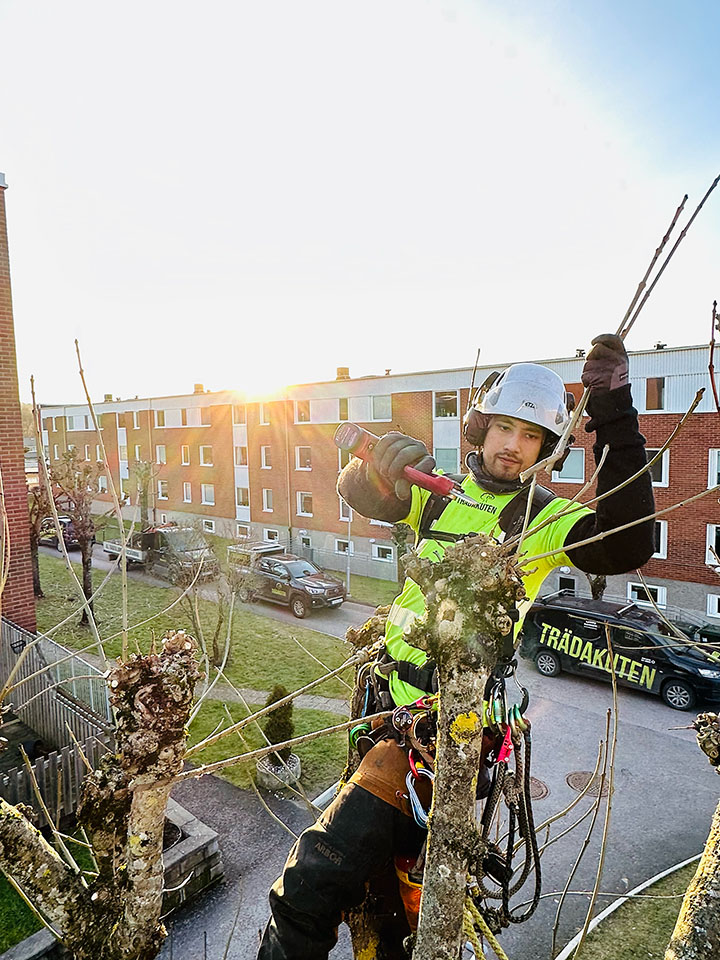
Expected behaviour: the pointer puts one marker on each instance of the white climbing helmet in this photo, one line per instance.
(529, 392)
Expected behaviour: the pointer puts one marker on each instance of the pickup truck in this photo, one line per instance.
(171, 552)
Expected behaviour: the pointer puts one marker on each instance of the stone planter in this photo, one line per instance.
(275, 776)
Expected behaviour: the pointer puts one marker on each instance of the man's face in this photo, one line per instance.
(511, 446)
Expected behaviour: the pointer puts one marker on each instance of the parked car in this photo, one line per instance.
(266, 572)
(175, 553)
(49, 537)
(564, 632)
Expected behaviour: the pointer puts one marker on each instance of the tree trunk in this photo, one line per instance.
(87, 584)
(697, 932)
(35, 560)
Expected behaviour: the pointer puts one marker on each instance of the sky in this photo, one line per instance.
(250, 194)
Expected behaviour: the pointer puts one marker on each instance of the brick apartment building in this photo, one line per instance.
(245, 468)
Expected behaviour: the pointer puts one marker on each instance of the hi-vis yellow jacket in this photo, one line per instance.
(457, 518)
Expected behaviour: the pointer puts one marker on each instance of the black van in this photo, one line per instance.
(564, 632)
(266, 572)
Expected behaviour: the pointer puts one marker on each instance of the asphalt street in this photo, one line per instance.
(665, 793)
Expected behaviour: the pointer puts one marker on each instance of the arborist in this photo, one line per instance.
(513, 424)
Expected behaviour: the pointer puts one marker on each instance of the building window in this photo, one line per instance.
(446, 459)
(655, 393)
(138, 456)
(122, 452)
(162, 489)
(382, 407)
(159, 418)
(660, 470)
(267, 500)
(163, 518)
(87, 451)
(56, 451)
(304, 504)
(239, 413)
(265, 460)
(185, 454)
(302, 411)
(344, 546)
(638, 594)
(306, 542)
(187, 492)
(205, 418)
(661, 539)
(264, 414)
(381, 551)
(207, 494)
(160, 454)
(713, 468)
(345, 510)
(183, 417)
(242, 530)
(567, 583)
(573, 470)
(241, 458)
(303, 458)
(343, 413)
(271, 535)
(242, 496)
(208, 526)
(344, 458)
(712, 545)
(206, 456)
(446, 404)
(136, 419)
(713, 605)
(102, 484)
(98, 453)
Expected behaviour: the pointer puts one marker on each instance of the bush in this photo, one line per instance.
(279, 724)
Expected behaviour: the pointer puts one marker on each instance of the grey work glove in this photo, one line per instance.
(606, 367)
(393, 453)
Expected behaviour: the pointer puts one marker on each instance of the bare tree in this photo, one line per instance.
(38, 510)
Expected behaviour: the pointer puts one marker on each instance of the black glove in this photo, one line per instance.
(606, 367)
(393, 453)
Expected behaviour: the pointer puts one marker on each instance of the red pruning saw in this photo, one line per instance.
(361, 443)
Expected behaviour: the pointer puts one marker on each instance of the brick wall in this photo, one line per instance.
(18, 602)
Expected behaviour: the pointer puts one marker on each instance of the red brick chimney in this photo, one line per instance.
(17, 602)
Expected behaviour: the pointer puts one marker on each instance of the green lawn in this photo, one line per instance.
(640, 929)
(262, 652)
(370, 590)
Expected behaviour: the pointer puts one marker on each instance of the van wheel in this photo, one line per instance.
(299, 607)
(679, 695)
(244, 595)
(548, 663)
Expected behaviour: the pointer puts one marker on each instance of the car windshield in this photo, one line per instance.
(184, 540)
(302, 568)
(698, 648)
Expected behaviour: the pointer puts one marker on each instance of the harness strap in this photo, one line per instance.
(424, 677)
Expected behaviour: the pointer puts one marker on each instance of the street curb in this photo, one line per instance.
(569, 947)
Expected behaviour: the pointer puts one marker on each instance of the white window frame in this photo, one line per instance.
(238, 456)
(122, 451)
(87, 451)
(264, 415)
(264, 465)
(457, 455)
(305, 542)
(377, 547)
(160, 453)
(660, 597)
(665, 468)
(713, 466)
(242, 531)
(98, 453)
(163, 518)
(662, 552)
(297, 405)
(102, 483)
(185, 454)
(713, 605)
(163, 485)
(270, 534)
(710, 529)
(159, 415)
(663, 407)
(298, 503)
(136, 419)
(203, 454)
(380, 523)
(206, 488)
(235, 419)
(298, 466)
(348, 543)
(380, 396)
(558, 478)
(436, 394)
(138, 453)
(208, 525)
(205, 412)
(187, 491)
(346, 514)
(267, 497)
(56, 451)
(567, 576)
(237, 496)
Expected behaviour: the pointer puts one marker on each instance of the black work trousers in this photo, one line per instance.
(327, 873)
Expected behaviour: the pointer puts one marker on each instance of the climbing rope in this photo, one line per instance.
(473, 919)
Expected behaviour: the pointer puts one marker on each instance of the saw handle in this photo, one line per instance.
(361, 443)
